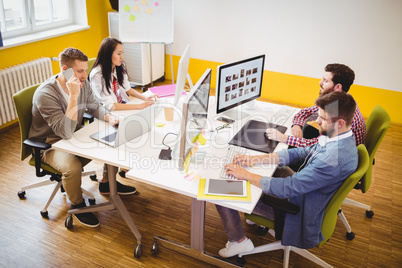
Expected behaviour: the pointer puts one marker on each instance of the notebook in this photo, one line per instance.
(131, 127)
(251, 136)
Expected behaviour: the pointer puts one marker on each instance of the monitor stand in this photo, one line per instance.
(236, 113)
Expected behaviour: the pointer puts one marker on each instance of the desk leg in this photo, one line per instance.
(196, 250)
(116, 201)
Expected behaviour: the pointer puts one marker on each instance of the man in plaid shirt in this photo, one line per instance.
(337, 77)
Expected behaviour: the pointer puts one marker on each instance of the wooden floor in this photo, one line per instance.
(28, 240)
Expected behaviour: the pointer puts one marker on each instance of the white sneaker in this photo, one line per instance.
(249, 222)
(235, 248)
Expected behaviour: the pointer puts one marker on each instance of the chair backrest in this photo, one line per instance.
(332, 208)
(91, 63)
(23, 105)
(377, 125)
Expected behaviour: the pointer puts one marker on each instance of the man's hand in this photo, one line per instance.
(276, 135)
(297, 131)
(237, 171)
(111, 119)
(245, 160)
(74, 86)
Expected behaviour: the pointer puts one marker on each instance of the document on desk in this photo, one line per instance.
(165, 91)
(202, 196)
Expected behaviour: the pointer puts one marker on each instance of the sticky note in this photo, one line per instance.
(159, 124)
(127, 8)
(136, 8)
(156, 4)
(201, 139)
(132, 18)
(149, 10)
(144, 2)
(193, 140)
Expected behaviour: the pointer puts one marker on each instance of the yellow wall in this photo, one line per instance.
(87, 41)
(300, 90)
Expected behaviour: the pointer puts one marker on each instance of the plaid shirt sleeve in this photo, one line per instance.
(304, 114)
(359, 127)
(300, 142)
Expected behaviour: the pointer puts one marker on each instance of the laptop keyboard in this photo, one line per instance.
(231, 152)
(111, 137)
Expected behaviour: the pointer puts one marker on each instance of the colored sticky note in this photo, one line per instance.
(201, 139)
(156, 4)
(149, 10)
(159, 124)
(136, 8)
(132, 18)
(193, 140)
(127, 8)
(144, 2)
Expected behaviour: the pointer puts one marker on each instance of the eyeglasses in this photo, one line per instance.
(222, 127)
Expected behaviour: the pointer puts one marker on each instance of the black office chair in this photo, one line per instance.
(23, 105)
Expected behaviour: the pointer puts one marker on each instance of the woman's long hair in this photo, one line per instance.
(104, 59)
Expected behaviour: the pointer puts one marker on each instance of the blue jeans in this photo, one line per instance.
(231, 218)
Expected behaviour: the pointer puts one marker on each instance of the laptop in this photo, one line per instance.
(252, 136)
(131, 127)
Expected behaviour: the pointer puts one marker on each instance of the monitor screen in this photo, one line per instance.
(182, 74)
(195, 111)
(239, 82)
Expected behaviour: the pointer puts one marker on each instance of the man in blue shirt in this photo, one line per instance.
(325, 166)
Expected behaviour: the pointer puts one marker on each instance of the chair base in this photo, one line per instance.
(287, 249)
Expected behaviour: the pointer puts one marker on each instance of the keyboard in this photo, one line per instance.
(231, 152)
(111, 137)
(283, 114)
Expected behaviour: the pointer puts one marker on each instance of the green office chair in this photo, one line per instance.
(91, 63)
(23, 105)
(377, 125)
(328, 223)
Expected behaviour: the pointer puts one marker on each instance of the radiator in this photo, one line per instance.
(17, 77)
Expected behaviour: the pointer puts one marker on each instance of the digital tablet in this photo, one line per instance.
(226, 187)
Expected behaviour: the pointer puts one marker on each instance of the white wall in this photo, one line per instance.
(298, 36)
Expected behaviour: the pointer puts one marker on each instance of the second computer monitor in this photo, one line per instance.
(182, 74)
(238, 83)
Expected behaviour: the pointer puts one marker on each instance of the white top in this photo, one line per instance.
(99, 89)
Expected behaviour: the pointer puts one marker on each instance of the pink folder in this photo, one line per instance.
(165, 91)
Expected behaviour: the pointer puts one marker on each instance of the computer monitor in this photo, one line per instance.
(238, 83)
(195, 111)
(182, 74)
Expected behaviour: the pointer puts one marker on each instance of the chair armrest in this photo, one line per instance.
(38, 146)
(87, 117)
(281, 204)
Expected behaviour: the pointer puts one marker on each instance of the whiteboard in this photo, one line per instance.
(146, 21)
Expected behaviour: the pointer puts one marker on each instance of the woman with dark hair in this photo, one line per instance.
(109, 80)
(110, 85)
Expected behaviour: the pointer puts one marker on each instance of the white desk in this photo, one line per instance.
(141, 157)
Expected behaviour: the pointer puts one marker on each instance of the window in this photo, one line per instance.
(27, 20)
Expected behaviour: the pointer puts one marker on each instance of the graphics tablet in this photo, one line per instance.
(226, 187)
(251, 136)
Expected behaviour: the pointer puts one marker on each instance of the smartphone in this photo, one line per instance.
(68, 73)
(225, 120)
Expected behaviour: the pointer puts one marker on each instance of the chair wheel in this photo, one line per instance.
(241, 260)
(350, 236)
(69, 222)
(91, 201)
(44, 214)
(261, 231)
(369, 214)
(154, 248)
(93, 177)
(122, 173)
(138, 251)
(21, 194)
